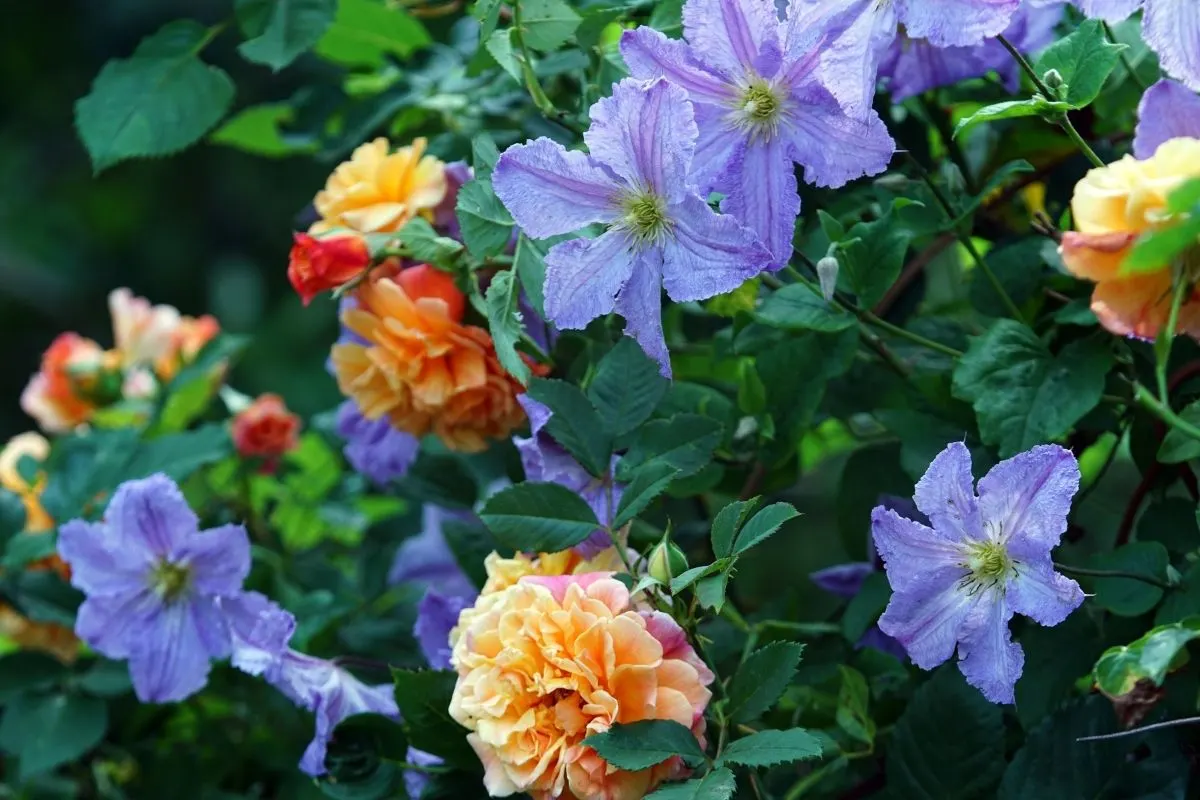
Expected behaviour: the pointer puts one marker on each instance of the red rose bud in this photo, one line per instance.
(265, 428)
(426, 281)
(319, 265)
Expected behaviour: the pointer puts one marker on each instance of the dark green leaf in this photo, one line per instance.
(43, 731)
(575, 424)
(486, 223)
(1019, 268)
(719, 784)
(1009, 109)
(178, 455)
(1128, 597)
(853, 714)
(763, 525)
(292, 27)
(641, 745)
(685, 442)
(27, 547)
(538, 517)
(1119, 669)
(28, 671)
(761, 679)
(424, 699)
(505, 324)
(768, 748)
(795, 307)
(872, 258)
(426, 245)
(727, 523)
(627, 387)
(648, 483)
(364, 31)
(530, 264)
(1178, 447)
(1084, 60)
(865, 607)
(710, 591)
(106, 678)
(12, 515)
(548, 23)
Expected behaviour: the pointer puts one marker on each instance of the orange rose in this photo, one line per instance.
(547, 662)
(58, 395)
(1113, 207)
(187, 341)
(421, 367)
(377, 191)
(265, 428)
(505, 572)
(319, 265)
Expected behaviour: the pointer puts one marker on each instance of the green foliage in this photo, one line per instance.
(575, 425)
(1084, 59)
(719, 784)
(1150, 657)
(538, 517)
(505, 323)
(365, 32)
(290, 28)
(768, 748)
(44, 731)
(548, 23)
(761, 679)
(1130, 597)
(640, 745)
(424, 699)
(799, 308)
(627, 388)
(486, 223)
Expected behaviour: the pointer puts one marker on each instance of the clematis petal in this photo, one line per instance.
(646, 134)
(260, 631)
(947, 23)
(833, 147)
(550, 190)
(720, 148)
(111, 624)
(946, 494)
(843, 580)
(1028, 496)
(1109, 10)
(1172, 29)
(988, 657)
(735, 36)
(219, 559)
(927, 617)
(1168, 110)
(640, 303)
(710, 253)
(171, 659)
(427, 560)
(914, 66)
(911, 551)
(150, 515)
(850, 61)
(1042, 594)
(98, 565)
(649, 54)
(583, 277)
(761, 194)
(437, 614)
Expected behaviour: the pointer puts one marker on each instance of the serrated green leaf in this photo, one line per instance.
(538, 517)
(648, 483)
(627, 387)
(484, 155)
(488, 14)
(503, 48)
(727, 523)
(423, 697)
(1010, 109)
(505, 325)
(719, 784)
(641, 745)
(1084, 59)
(485, 222)
(854, 698)
(768, 748)
(426, 245)
(795, 307)
(548, 23)
(155, 103)
(575, 424)
(710, 591)
(685, 442)
(44, 731)
(364, 31)
(1150, 657)
(292, 27)
(871, 261)
(761, 679)
(763, 525)
(530, 264)
(256, 130)
(1128, 597)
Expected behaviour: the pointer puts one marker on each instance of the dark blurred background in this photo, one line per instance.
(207, 231)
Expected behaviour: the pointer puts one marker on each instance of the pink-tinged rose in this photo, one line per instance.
(142, 333)
(56, 395)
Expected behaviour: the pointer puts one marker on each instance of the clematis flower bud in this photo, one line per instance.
(827, 274)
(318, 265)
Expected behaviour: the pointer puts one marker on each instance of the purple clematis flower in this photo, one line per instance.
(437, 615)
(760, 107)
(1168, 110)
(152, 580)
(659, 231)
(959, 581)
(261, 631)
(426, 559)
(544, 460)
(373, 447)
(1171, 28)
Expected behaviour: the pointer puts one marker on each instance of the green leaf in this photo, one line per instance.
(795, 307)
(361, 757)
(1019, 267)
(426, 245)
(627, 387)
(763, 525)
(424, 699)
(710, 591)
(648, 483)
(178, 455)
(488, 14)
(486, 224)
(1010, 109)
(1128, 597)
(12, 515)
(768, 748)
(727, 523)
(364, 31)
(221, 350)
(641, 745)
(502, 47)
(292, 27)
(106, 678)
(761, 679)
(1084, 59)
(1160, 650)
(255, 130)
(530, 264)
(28, 671)
(27, 547)
(548, 23)
(1178, 447)
(157, 102)
(949, 742)
(484, 155)
(719, 784)
(854, 698)
(505, 325)
(865, 607)
(1023, 394)
(685, 442)
(1053, 763)
(1055, 659)
(44, 731)
(575, 424)
(1158, 250)
(538, 517)
(870, 265)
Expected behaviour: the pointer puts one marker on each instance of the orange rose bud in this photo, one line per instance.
(265, 428)
(426, 281)
(318, 265)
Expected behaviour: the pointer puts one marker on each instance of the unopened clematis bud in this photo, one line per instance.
(827, 274)
(1055, 83)
(318, 265)
(667, 561)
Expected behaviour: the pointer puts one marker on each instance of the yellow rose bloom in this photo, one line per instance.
(377, 191)
(548, 661)
(1113, 206)
(505, 572)
(36, 447)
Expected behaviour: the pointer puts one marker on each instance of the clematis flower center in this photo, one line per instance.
(989, 563)
(170, 580)
(646, 216)
(760, 106)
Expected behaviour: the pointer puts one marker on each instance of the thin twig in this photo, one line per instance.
(1112, 573)
(1171, 723)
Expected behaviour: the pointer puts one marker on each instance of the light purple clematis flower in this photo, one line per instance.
(760, 107)
(261, 631)
(1171, 28)
(986, 557)
(152, 580)
(437, 615)
(373, 447)
(659, 231)
(1168, 110)
(545, 461)
(426, 559)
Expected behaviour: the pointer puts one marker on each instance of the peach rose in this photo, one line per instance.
(320, 265)
(547, 662)
(378, 192)
(1113, 206)
(187, 341)
(505, 572)
(265, 428)
(423, 368)
(57, 396)
(142, 333)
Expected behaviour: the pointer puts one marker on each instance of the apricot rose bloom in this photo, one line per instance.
(505, 572)
(142, 333)
(56, 396)
(547, 662)
(421, 367)
(377, 191)
(1113, 206)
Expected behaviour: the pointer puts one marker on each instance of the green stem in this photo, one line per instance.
(430, 770)
(209, 35)
(1162, 347)
(1164, 412)
(1137, 79)
(1112, 573)
(903, 333)
(1063, 121)
(941, 123)
(531, 81)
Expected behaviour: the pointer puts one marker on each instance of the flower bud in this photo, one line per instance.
(667, 561)
(1055, 83)
(426, 281)
(318, 265)
(265, 428)
(827, 274)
